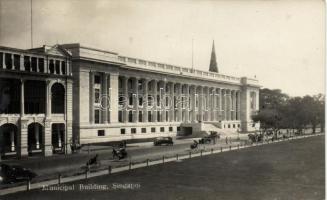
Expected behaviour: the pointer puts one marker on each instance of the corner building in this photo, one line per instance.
(35, 101)
(121, 98)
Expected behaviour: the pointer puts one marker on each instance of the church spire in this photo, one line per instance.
(213, 62)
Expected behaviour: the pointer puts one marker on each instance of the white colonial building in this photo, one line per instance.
(53, 96)
(121, 98)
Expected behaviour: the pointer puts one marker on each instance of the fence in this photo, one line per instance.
(107, 170)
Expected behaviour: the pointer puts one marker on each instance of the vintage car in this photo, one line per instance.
(15, 173)
(163, 140)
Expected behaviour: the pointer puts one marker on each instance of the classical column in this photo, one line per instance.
(238, 105)
(223, 104)
(92, 98)
(231, 105)
(154, 112)
(228, 105)
(180, 106)
(37, 64)
(214, 105)
(47, 139)
(12, 140)
(113, 82)
(46, 65)
(21, 63)
(172, 103)
(22, 98)
(104, 98)
(163, 101)
(30, 62)
(48, 99)
(68, 131)
(12, 61)
(193, 105)
(187, 101)
(208, 104)
(22, 139)
(59, 136)
(145, 100)
(234, 105)
(126, 97)
(3, 60)
(36, 134)
(201, 103)
(60, 71)
(136, 100)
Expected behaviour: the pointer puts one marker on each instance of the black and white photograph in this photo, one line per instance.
(162, 99)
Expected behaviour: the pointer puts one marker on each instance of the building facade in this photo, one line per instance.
(121, 98)
(35, 101)
(51, 97)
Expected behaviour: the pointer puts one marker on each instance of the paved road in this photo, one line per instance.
(287, 170)
(50, 167)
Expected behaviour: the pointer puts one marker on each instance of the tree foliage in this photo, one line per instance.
(278, 110)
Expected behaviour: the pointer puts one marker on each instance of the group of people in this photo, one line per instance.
(228, 140)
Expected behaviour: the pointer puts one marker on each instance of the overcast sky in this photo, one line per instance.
(279, 42)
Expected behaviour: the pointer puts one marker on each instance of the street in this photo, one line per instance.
(286, 170)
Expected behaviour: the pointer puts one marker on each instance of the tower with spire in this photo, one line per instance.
(213, 62)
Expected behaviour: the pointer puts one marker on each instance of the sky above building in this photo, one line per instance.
(281, 43)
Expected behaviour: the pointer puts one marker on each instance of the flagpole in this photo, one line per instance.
(192, 56)
(31, 23)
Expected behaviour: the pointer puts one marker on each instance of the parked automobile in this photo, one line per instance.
(205, 140)
(15, 173)
(119, 153)
(163, 140)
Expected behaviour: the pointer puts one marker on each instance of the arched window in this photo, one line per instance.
(57, 98)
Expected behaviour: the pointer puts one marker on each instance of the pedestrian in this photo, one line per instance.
(226, 140)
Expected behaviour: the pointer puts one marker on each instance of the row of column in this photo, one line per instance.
(187, 103)
(47, 135)
(103, 106)
(41, 64)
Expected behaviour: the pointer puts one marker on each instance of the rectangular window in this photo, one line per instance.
(153, 130)
(150, 100)
(97, 79)
(140, 85)
(133, 130)
(96, 95)
(143, 130)
(101, 133)
(162, 129)
(178, 128)
(96, 116)
(140, 116)
(141, 101)
(149, 116)
(120, 116)
(122, 131)
(170, 129)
